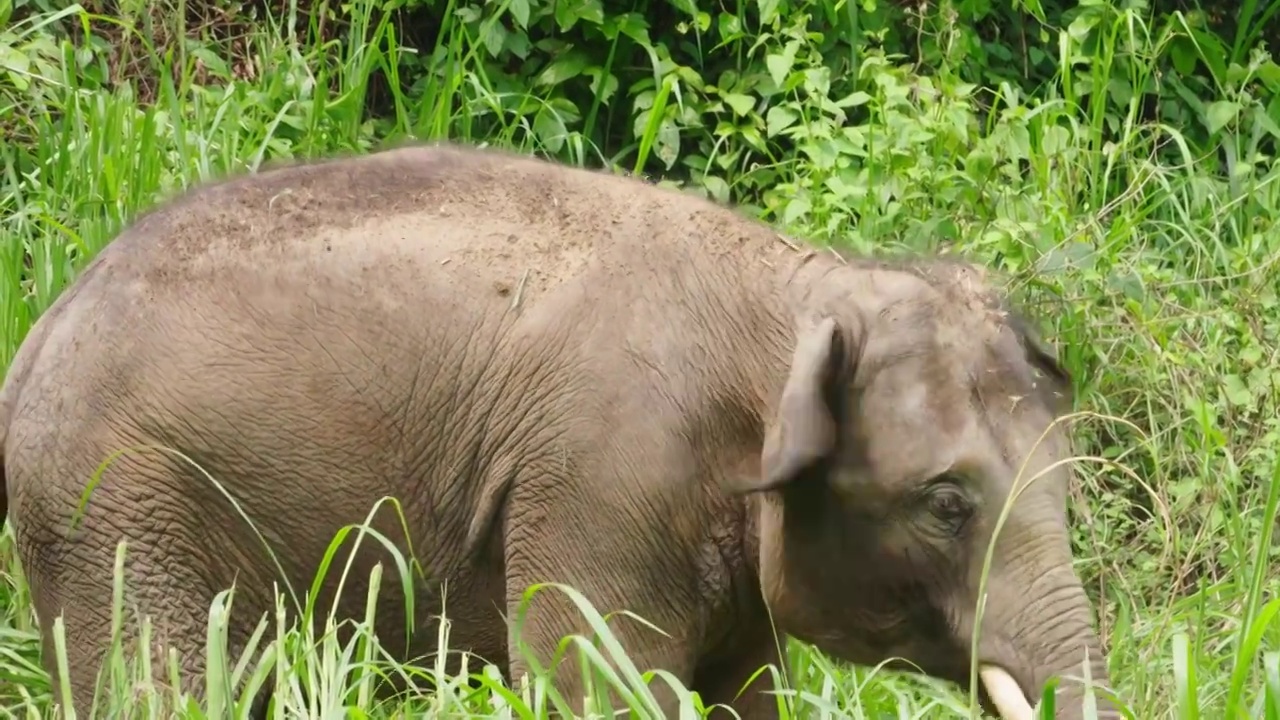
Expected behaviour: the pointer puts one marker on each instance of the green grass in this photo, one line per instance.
(1151, 258)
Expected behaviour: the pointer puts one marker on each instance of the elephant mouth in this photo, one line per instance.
(1004, 693)
(999, 692)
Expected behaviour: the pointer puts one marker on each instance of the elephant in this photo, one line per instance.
(563, 375)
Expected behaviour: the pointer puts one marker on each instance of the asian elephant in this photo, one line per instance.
(563, 375)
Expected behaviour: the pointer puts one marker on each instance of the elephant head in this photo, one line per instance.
(912, 403)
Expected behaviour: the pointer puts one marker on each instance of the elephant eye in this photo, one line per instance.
(947, 502)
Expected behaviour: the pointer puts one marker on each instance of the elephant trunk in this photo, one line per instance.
(1048, 635)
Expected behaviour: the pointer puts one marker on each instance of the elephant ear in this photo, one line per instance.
(1042, 357)
(805, 431)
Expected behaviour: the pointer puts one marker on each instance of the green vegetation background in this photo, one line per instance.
(1116, 158)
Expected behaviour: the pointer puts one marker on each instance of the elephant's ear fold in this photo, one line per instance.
(805, 430)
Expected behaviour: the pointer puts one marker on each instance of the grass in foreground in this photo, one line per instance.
(1154, 266)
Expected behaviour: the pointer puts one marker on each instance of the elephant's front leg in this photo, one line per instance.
(616, 554)
(746, 682)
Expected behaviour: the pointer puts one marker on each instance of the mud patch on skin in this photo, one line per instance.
(972, 303)
(539, 226)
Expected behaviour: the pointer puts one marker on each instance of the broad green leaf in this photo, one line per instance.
(779, 67)
(550, 129)
(631, 24)
(1219, 113)
(569, 65)
(609, 87)
(495, 36)
(797, 208)
(780, 64)
(717, 187)
(741, 104)
(730, 26)
(853, 99)
(779, 118)
(1236, 390)
(520, 11)
(569, 12)
(768, 10)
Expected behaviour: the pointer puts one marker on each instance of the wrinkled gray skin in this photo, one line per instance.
(563, 376)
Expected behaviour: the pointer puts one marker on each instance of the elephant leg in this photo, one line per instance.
(74, 581)
(71, 574)
(619, 558)
(741, 683)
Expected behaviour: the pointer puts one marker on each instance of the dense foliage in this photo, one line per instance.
(1116, 159)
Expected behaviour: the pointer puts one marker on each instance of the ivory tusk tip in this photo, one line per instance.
(1005, 693)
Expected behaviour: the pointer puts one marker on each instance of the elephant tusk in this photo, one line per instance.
(1009, 700)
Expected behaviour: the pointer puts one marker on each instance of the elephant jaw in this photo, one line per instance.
(1005, 693)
